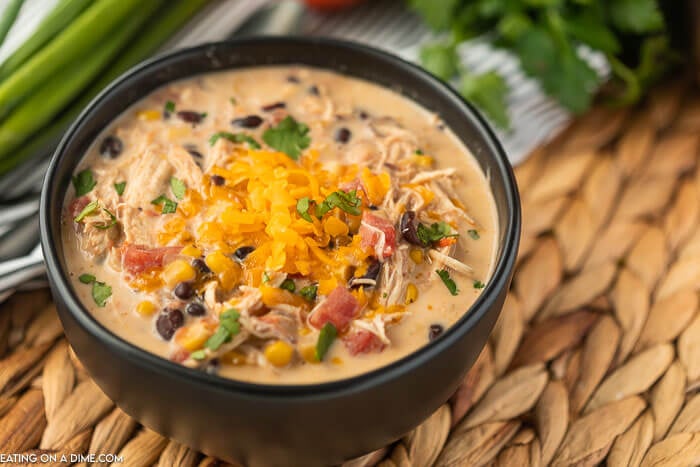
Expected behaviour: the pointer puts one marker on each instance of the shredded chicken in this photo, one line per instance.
(393, 277)
(186, 168)
(377, 325)
(149, 177)
(442, 259)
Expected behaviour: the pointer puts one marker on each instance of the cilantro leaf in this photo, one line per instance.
(169, 107)
(289, 136)
(84, 182)
(288, 285)
(169, 206)
(440, 59)
(178, 187)
(86, 278)
(89, 209)
(100, 293)
(438, 14)
(636, 16)
(234, 138)
(309, 292)
(437, 231)
(488, 91)
(447, 280)
(303, 205)
(112, 221)
(479, 285)
(119, 188)
(325, 339)
(345, 201)
(592, 30)
(474, 234)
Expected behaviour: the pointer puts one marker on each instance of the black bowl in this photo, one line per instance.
(266, 424)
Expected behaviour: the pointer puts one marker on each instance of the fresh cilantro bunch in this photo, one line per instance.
(545, 35)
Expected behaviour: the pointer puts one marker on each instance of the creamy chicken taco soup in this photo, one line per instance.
(278, 225)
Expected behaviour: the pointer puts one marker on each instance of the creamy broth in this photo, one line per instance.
(382, 152)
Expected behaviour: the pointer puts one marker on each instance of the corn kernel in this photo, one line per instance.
(411, 294)
(416, 255)
(178, 271)
(423, 161)
(191, 250)
(194, 336)
(326, 286)
(145, 308)
(228, 272)
(148, 115)
(279, 353)
(308, 353)
(234, 357)
(335, 227)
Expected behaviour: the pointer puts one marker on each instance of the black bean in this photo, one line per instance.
(363, 115)
(435, 331)
(201, 266)
(168, 321)
(313, 90)
(408, 229)
(195, 309)
(293, 79)
(372, 207)
(218, 180)
(276, 105)
(242, 253)
(250, 121)
(192, 149)
(184, 290)
(190, 116)
(342, 135)
(111, 147)
(371, 273)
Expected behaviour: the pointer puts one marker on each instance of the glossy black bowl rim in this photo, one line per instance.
(499, 278)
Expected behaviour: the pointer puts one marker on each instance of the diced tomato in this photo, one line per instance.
(179, 356)
(362, 341)
(370, 236)
(339, 308)
(139, 258)
(77, 205)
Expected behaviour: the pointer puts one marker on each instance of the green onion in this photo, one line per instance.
(63, 87)
(112, 221)
(119, 188)
(228, 327)
(309, 292)
(54, 22)
(178, 187)
(90, 208)
(234, 138)
(86, 278)
(325, 339)
(9, 15)
(447, 280)
(198, 355)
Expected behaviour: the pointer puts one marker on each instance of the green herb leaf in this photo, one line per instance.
(89, 209)
(221, 336)
(488, 91)
(169, 107)
(590, 29)
(112, 222)
(228, 327)
(169, 206)
(86, 278)
(84, 182)
(178, 187)
(440, 59)
(265, 277)
(436, 231)
(325, 339)
(303, 209)
(309, 292)
(119, 188)
(636, 16)
(232, 100)
(447, 280)
(345, 201)
(439, 14)
(474, 234)
(479, 285)
(198, 355)
(419, 152)
(289, 137)
(288, 284)
(100, 293)
(234, 138)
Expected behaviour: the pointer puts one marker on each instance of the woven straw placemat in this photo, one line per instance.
(596, 354)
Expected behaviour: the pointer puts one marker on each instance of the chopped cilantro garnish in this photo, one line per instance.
(288, 284)
(309, 292)
(169, 107)
(473, 234)
(86, 278)
(346, 201)
(90, 208)
(447, 280)
(119, 188)
(303, 209)
(169, 206)
(112, 221)
(419, 152)
(100, 293)
(289, 136)
(232, 100)
(234, 138)
(436, 231)
(198, 355)
(479, 285)
(265, 277)
(325, 339)
(178, 187)
(84, 182)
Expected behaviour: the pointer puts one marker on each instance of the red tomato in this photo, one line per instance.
(339, 308)
(370, 236)
(362, 341)
(139, 258)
